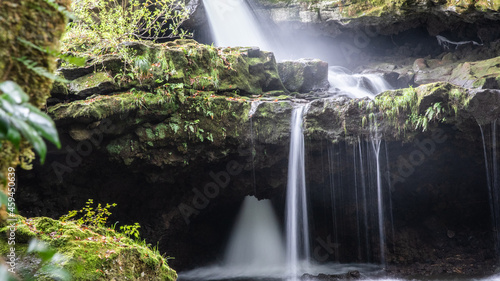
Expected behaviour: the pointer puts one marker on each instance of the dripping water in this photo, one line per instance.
(491, 165)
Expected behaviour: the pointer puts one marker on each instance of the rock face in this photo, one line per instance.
(304, 75)
(140, 148)
(185, 63)
(388, 17)
(186, 131)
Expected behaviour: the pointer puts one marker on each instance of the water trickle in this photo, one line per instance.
(491, 165)
(232, 23)
(253, 108)
(389, 185)
(380, 200)
(333, 163)
(365, 200)
(297, 225)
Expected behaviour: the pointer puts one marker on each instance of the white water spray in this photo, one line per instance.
(232, 23)
(255, 249)
(356, 85)
(255, 244)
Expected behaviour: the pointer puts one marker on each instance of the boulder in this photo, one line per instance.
(91, 84)
(304, 75)
(481, 74)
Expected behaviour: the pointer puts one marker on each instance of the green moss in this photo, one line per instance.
(114, 148)
(121, 103)
(90, 81)
(413, 109)
(94, 253)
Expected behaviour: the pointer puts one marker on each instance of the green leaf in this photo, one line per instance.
(71, 59)
(43, 125)
(13, 92)
(41, 248)
(4, 122)
(5, 275)
(32, 136)
(56, 272)
(14, 136)
(6, 105)
(4, 200)
(42, 71)
(61, 9)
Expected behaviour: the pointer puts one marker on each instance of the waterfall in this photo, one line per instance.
(365, 199)
(356, 85)
(380, 200)
(297, 228)
(232, 23)
(491, 166)
(376, 141)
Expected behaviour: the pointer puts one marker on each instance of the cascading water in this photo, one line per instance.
(297, 224)
(356, 85)
(232, 23)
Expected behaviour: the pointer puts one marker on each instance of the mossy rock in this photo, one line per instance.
(91, 84)
(304, 75)
(480, 74)
(94, 253)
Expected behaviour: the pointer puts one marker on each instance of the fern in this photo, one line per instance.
(60, 9)
(42, 71)
(70, 59)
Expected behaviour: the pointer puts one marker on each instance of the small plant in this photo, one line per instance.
(90, 215)
(131, 230)
(103, 23)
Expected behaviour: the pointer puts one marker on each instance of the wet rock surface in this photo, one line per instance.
(351, 275)
(304, 75)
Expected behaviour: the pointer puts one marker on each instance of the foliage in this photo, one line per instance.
(89, 215)
(60, 9)
(403, 110)
(131, 230)
(78, 61)
(104, 23)
(98, 217)
(19, 118)
(50, 264)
